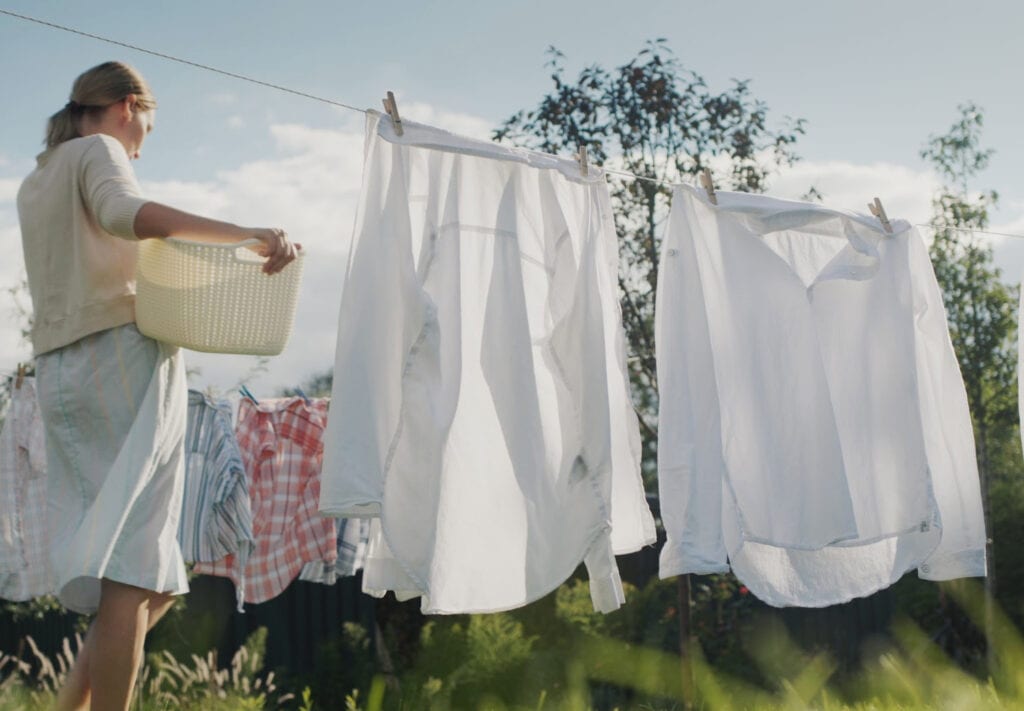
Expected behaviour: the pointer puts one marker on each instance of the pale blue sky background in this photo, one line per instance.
(873, 79)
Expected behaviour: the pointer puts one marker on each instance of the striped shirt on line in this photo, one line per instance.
(216, 517)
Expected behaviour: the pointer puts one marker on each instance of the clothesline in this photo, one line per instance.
(181, 61)
(333, 102)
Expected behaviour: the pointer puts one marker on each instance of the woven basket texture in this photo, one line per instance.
(214, 298)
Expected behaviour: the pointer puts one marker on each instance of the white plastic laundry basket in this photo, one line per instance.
(214, 297)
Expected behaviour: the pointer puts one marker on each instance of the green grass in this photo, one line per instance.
(489, 663)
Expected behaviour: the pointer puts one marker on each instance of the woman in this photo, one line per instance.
(113, 401)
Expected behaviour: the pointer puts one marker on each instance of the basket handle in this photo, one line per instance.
(242, 254)
(245, 257)
(235, 246)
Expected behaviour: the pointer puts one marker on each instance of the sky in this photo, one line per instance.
(872, 79)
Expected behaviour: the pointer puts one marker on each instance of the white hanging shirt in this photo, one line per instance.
(24, 534)
(484, 412)
(814, 430)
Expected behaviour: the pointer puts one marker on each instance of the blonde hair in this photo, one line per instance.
(94, 90)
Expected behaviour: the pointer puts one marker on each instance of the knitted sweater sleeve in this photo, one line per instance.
(109, 188)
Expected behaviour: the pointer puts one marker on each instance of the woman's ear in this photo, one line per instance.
(128, 106)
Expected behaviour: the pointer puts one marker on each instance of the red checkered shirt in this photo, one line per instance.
(282, 448)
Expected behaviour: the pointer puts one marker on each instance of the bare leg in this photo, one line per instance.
(156, 607)
(117, 637)
(130, 610)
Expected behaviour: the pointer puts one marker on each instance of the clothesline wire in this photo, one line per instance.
(333, 102)
(971, 230)
(656, 181)
(188, 62)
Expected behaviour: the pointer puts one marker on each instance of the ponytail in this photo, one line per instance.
(61, 127)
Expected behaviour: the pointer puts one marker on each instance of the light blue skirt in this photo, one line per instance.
(114, 405)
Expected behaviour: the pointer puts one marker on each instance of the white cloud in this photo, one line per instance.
(10, 243)
(462, 124)
(8, 189)
(235, 122)
(905, 192)
(204, 198)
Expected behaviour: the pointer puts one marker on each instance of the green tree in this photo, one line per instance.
(980, 307)
(652, 117)
(316, 385)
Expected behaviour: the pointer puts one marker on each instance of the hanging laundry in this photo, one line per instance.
(281, 441)
(814, 429)
(487, 420)
(24, 539)
(216, 518)
(353, 539)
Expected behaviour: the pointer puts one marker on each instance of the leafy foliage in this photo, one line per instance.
(980, 308)
(982, 318)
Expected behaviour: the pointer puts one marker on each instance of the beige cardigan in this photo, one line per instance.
(77, 212)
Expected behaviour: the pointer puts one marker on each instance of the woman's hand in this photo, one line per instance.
(157, 220)
(276, 247)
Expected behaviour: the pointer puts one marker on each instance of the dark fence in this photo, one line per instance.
(298, 622)
(48, 632)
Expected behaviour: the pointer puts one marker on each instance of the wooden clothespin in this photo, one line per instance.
(20, 380)
(709, 185)
(878, 211)
(581, 157)
(391, 106)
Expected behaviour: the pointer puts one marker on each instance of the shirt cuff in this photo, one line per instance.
(965, 564)
(120, 221)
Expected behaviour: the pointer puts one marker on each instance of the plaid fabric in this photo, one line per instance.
(216, 518)
(353, 540)
(282, 449)
(24, 540)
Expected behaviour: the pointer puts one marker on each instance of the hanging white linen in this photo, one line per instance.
(814, 431)
(482, 409)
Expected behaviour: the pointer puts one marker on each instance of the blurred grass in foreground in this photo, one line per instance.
(911, 673)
